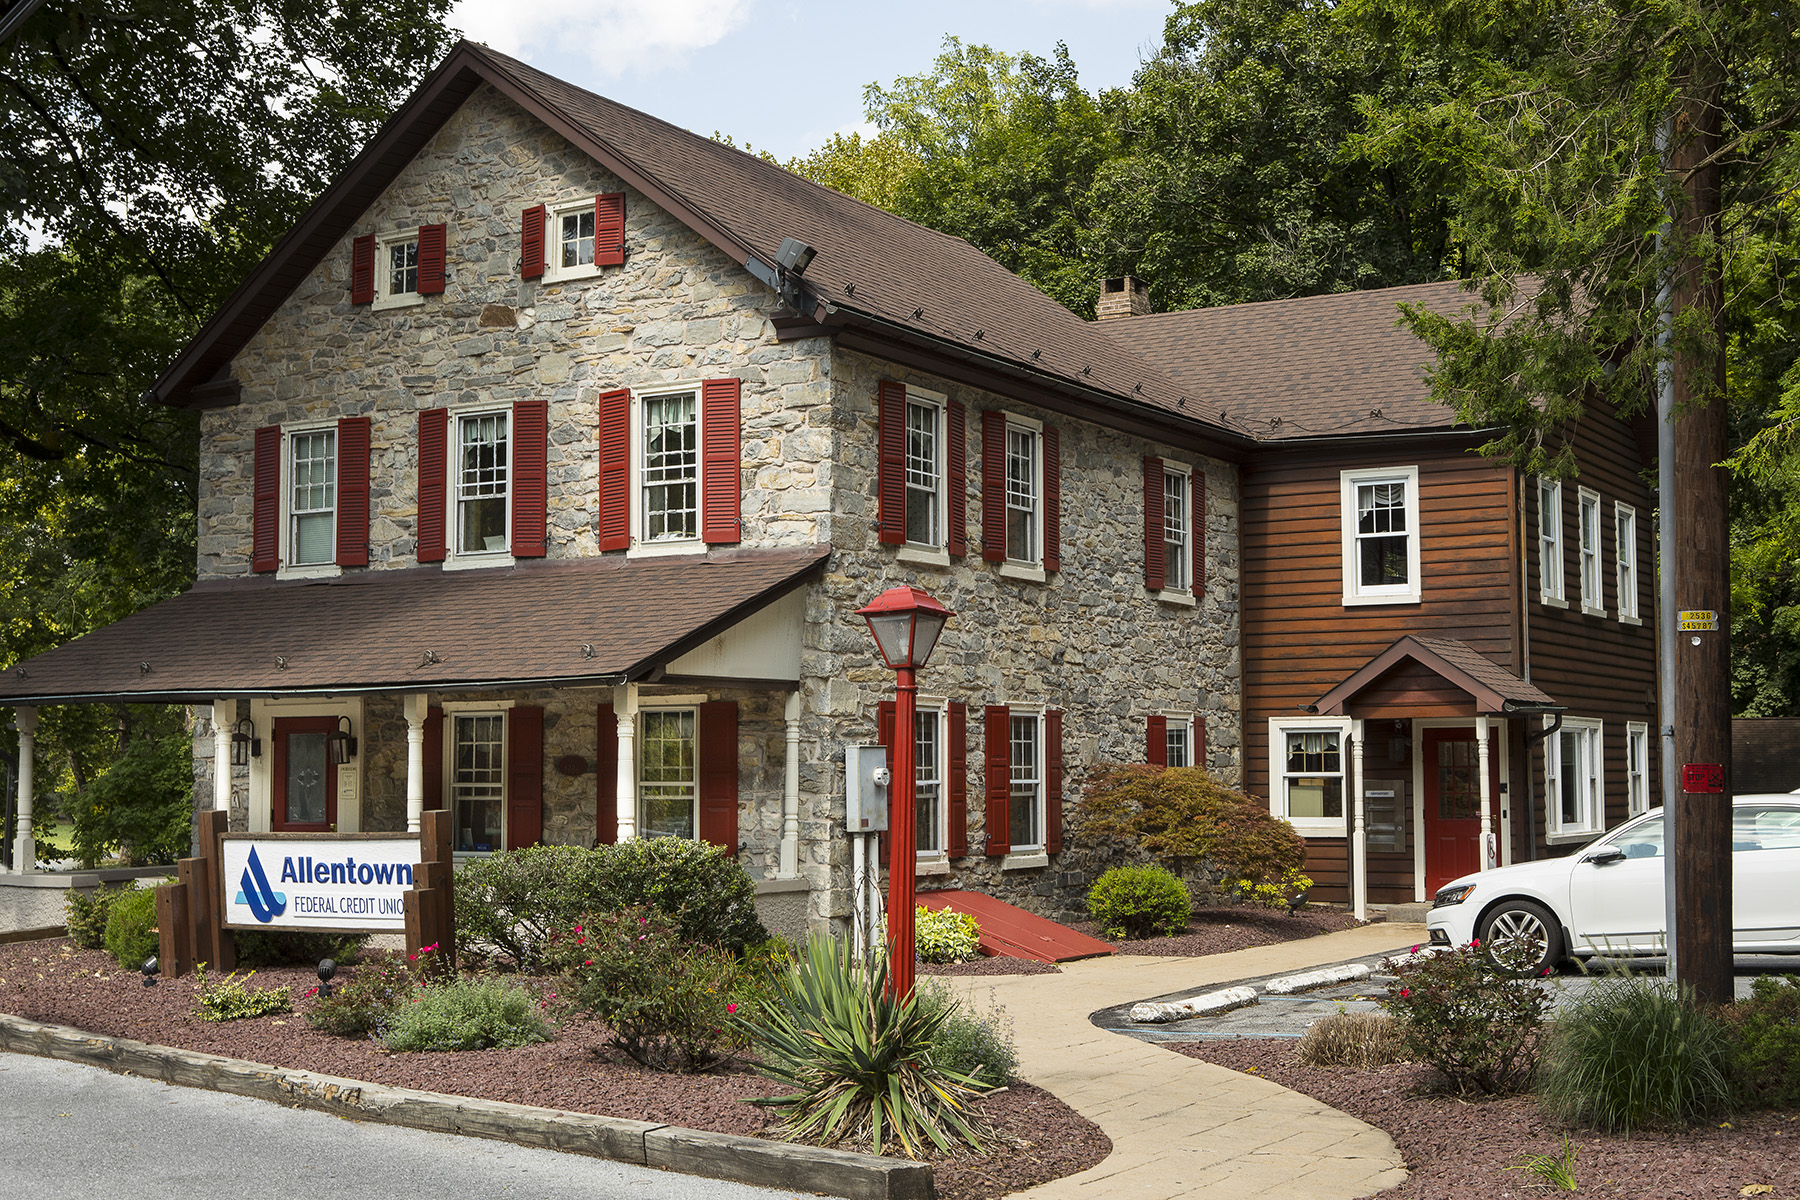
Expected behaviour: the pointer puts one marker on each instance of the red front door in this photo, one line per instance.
(1453, 803)
(305, 799)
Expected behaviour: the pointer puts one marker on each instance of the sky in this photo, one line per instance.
(781, 75)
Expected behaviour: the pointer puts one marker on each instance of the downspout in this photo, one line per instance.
(1531, 739)
(1525, 665)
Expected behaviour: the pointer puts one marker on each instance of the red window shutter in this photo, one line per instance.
(362, 270)
(353, 492)
(1155, 575)
(1157, 736)
(265, 492)
(606, 776)
(531, 244)
(956, 483)
(890, 405)
(1199, 739)
(997, 752)
(1198, 524)
(957, 793)
(530, 481)
(434, 759)
(615, 470)
(434, 473)
(719, 774)
(431, 260)
(524, 777)
(1053, 781)
(1052, 499)
(609, 229)
(885, 713)
(721, 462)
(993, 486)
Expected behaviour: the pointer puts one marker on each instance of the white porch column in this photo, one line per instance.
(25, 720)
(625, 708)
(417, 706)
(1359, 835)
(790, 794)
(223, 718)
(1487, 800)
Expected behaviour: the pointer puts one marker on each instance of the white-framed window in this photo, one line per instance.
(1550, 545)
(668, 460)
(480, 483)
(1025, 795)
(569, 240)
(397, 270)
(1024, 492)
(925, 459)
(1625, 549)
(1178, 740)
(478, 780)
(669, 772)
(1380, 514)
(929, 747)
(1637, 767)
(1178, 556)
(1593, 599)
(1574, 764)
(310, 492)
(1308, 772)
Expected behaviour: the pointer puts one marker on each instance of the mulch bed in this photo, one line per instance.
(1222, 928)
(54, 982)
(1461, 1148)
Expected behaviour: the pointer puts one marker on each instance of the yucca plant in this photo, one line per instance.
(859, 1059)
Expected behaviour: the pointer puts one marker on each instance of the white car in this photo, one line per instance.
(1607, 898)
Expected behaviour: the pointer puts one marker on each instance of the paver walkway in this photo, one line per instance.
(1181, 1127)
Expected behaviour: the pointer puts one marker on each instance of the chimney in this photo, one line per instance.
(1123, 296)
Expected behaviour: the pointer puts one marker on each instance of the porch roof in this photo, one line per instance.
(1493, 689)
(566, 622)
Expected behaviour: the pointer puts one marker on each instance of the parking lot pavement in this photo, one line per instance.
(1290, 1016)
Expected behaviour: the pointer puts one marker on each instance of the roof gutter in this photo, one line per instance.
(1351, 441)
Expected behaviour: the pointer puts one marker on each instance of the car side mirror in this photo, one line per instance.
(1604, 855)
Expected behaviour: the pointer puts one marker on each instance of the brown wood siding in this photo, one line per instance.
(1328, 866)
(1411, 689)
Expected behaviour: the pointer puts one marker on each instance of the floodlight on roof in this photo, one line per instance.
(794, 255)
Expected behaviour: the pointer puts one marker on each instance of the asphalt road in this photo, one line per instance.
(75, 1132)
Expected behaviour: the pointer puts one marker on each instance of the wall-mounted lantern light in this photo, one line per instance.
(342, 744)
(245, 745)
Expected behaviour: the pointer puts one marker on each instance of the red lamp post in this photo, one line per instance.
(906, 623)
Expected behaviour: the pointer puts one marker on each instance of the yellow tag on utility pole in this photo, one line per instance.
(1699, 620)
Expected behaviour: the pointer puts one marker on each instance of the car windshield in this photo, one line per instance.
(1642, 840)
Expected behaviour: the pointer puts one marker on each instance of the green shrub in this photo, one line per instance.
(86, 914)
(288, 947)
(1351, 1039)
(1768, 1030)
(233, 999)
(128, 927)
(1182, 815)
(142, 806)
(512, 903)
(859, 1059)
(976, 1044)
(470, 1014)
(945, 935)
(1270, 893)
(1633, 1054)
(1139, 902)
(363, 1005)
(667, 1001)
(1457, 1012)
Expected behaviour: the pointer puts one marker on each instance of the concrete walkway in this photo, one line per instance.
(1181, 1127)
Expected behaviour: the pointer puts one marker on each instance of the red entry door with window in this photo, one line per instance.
(305, 792)
(1453, 803)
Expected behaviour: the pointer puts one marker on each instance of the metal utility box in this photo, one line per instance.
(865, 788)
(1384, 814)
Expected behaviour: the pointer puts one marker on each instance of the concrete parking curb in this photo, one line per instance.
(686, 1151)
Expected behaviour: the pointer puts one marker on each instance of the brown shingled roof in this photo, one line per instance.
(1493, 688)
(563, 622)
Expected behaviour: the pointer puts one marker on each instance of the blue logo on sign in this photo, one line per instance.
(264, 901)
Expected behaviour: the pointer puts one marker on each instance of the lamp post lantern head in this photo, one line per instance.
(905, 623)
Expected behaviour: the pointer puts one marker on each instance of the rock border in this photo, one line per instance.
(668, 1147)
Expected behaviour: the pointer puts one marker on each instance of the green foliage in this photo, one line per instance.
(1632, 1054)
(1271, 893)
(287, 947)
(1459, 1013)
(945, 935)
(668, 1002)
(1351, 1039)
(142, 806)
(86, 915)
(1182, 815)
(1137, 902)
(1768, 1032)
(470, 1014)
(970, 1042)
(860, 1060)
(1556, 1170)
(128, 927)
(234, 999)
(363, 1005)
(514, 902)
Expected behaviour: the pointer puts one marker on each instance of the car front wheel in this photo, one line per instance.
(1521, 937)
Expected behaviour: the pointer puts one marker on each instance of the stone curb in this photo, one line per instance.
(685, 1151)
(1207, 1005)
(1287, 985)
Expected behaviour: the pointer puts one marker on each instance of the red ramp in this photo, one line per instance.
(1008, 931)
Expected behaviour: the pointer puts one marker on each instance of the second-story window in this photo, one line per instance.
(1625, 543)
(312, 497)
(1550, 553)
(481, 483)
(403, 267)
(1380, 517)
(1177, 572)
(671, 474)
(575, 239)
(924, 474)
(1021, 494)
(1593, 600)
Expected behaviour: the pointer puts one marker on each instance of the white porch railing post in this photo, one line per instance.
(625, 705)
(1487, 800)
(790, 794)
(25, 720)
(417, 707)
(1359, 844)
(223, 718)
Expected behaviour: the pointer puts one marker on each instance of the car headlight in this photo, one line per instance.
(1452, 895)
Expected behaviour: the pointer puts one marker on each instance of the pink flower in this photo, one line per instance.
(578, 929)
(1405, 992)
(1474, 943)
(1415, 949)
(731, 1008)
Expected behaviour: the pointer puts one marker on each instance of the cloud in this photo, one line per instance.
(619, 35)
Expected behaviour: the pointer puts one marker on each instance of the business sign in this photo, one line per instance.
(349, 883)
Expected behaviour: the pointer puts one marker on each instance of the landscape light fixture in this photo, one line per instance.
(794, 256)
(245, 745)
(342, 744)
